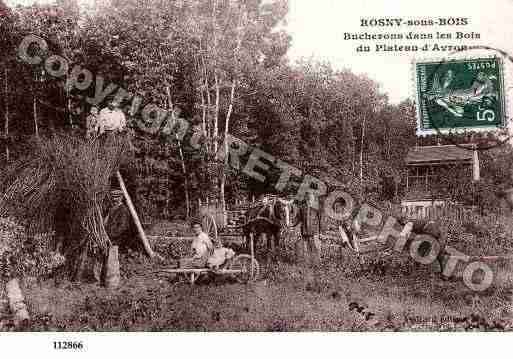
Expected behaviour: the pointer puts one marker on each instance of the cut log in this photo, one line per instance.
(112, 276)
(135, 217)
(16, 302)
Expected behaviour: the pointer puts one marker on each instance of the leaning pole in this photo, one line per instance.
(135, 217)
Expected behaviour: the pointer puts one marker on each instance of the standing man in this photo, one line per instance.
(310, 230)
(92, 123)
(111, 119)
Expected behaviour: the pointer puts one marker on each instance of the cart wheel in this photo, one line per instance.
(210, 226)
(243, 262)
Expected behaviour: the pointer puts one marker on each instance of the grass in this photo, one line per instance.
(279, 303)
(386, 293)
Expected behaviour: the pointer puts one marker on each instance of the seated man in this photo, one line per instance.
(202, 248)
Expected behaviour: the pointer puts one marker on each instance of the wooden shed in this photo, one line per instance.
(423, 164)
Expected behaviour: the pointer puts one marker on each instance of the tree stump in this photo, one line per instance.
(301, 251)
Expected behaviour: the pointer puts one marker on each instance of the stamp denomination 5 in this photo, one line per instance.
(460, 95)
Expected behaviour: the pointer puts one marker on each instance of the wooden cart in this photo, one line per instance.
(244, 268)
(218, 223)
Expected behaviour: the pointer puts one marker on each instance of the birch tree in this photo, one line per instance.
(231, 38)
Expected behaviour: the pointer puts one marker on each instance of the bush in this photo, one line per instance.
(11, 235)
(480, 235)
(22, 255)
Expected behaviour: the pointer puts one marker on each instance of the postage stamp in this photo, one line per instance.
(459, 95)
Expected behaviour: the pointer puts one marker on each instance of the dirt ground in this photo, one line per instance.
(384, 293)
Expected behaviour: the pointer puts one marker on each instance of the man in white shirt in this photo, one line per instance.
(201, 247)
(111, 119)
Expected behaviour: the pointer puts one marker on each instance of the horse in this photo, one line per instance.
(268, 217)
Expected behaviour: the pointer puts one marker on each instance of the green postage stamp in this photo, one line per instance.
(460, 95)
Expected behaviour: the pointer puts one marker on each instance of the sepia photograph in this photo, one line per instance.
(257, 166)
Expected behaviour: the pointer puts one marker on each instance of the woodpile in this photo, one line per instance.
(62, 186)
(17, 302)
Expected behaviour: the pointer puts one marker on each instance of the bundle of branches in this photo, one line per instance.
(62, 186)
(28, 189)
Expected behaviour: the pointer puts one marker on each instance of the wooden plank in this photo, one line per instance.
(367, 239)
(183, 270)
(172, 238)
(135, 217)
(372, 248)
(484, 257)
(187, 238)
(200, 270)
(252, 254)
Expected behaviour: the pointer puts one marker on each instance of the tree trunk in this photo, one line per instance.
(6, 124)
(227, 120)
(207, 113)
(186, 179)
(182, 160)
(204, 115)
(389, 145)
(216, 82)
(213, 164)
(36, 127)
(361, 155)
(226, 127)
(216, 116)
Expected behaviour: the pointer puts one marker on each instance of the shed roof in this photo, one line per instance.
(438, 155)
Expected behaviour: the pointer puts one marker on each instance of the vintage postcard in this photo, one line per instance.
(254, 166)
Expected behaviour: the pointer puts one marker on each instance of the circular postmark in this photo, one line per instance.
(463, 97)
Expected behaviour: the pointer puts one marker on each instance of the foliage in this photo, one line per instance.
(475, 234)
(22, 255)
(224, 63)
